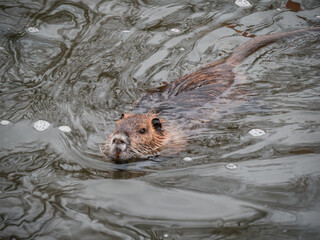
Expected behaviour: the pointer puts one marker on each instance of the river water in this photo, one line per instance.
(82, 63)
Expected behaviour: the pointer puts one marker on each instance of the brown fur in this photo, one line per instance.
(192, 90)
(148, 142)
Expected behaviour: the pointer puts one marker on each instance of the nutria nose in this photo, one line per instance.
(120, 137)
(118, 141)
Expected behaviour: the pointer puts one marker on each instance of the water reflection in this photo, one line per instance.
(90, 61)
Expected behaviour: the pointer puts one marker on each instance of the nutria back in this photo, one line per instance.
(148, 130)
(209, 82)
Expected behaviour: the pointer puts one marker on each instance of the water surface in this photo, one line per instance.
(83, 63)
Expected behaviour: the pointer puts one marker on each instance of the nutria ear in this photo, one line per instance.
(157, 124)
(122, 116)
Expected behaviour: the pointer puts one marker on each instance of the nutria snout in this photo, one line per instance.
(119, 144)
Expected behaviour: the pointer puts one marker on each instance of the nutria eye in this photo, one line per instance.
(142, 131)
(122, 116)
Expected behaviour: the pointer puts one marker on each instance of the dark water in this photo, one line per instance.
(85, 62)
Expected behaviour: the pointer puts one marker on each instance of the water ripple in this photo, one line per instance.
(87, 62)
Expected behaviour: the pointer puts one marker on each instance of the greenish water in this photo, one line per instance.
(83, 63)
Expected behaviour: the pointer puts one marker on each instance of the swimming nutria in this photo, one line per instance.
(148, 130)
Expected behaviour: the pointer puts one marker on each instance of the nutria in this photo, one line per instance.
(150, 129)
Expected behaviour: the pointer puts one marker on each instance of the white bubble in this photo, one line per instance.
(232, 166)
(165, 235)
(318, 16)
(182, 49)
(187, 159)
(33, 29)
(126, 31)
(257, 132)
(66, 129)
(279, 9)
(41, 125)
(243, 3)
(175, 30)
(4, 122)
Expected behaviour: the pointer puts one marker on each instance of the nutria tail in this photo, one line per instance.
(249, 47)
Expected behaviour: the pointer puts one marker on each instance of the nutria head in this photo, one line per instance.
(136, 136)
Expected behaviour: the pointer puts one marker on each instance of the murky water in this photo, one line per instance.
(83, 63)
